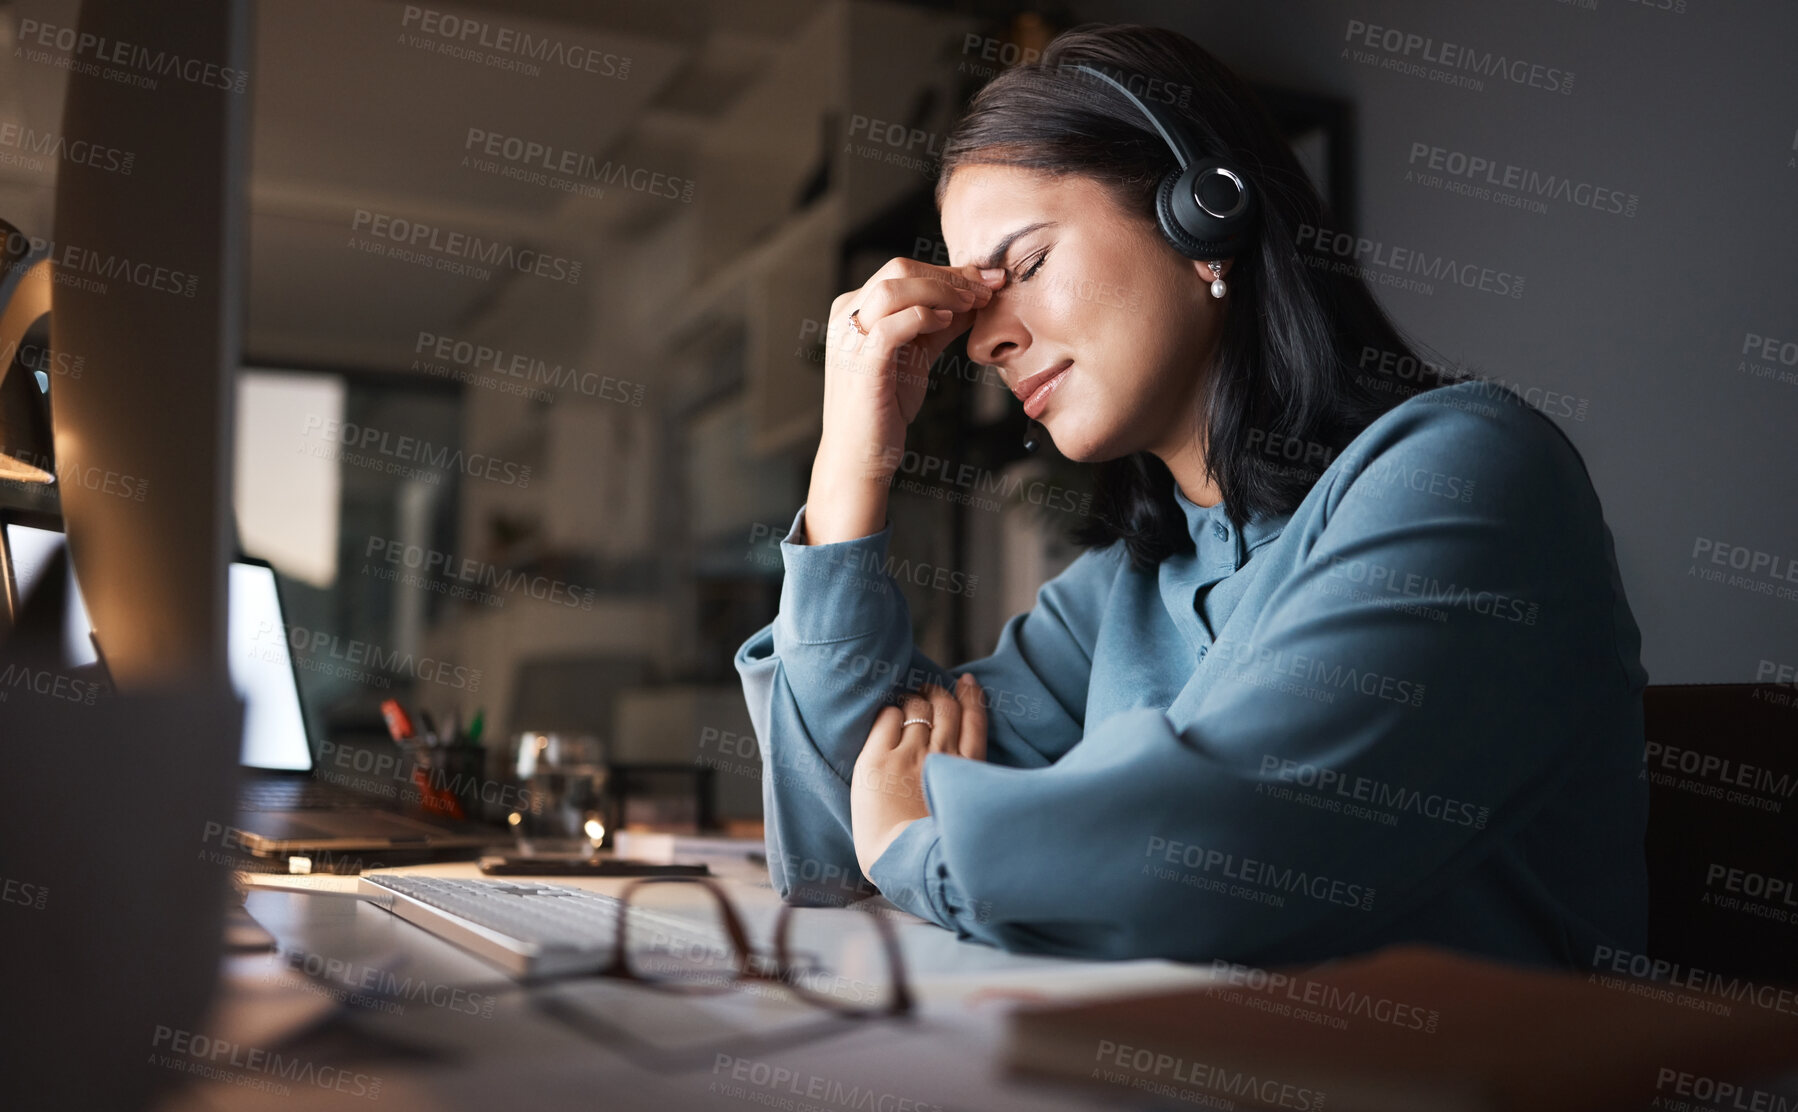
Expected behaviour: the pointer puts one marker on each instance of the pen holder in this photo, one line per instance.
(448, 780)
(464, 769)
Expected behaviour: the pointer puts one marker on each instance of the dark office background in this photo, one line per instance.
(635, 421)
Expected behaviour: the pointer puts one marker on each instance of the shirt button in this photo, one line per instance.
(1222, 531)
(1202, 649)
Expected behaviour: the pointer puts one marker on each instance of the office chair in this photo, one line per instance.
(1722, 844)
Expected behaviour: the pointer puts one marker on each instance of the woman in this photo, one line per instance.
(1338, 669)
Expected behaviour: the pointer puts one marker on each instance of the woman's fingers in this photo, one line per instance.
(889, 334)
(885, 733)
(945, 727)
(883, 298)
(907, 300)
(917, 706)
(953, 722)
(971, 699)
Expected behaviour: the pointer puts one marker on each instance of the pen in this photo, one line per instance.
(399, 724)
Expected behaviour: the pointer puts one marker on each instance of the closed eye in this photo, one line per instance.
(1035, 266)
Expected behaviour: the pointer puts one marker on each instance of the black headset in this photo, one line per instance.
(1206, 207)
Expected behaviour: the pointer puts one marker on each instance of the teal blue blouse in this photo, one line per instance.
(1409, 711)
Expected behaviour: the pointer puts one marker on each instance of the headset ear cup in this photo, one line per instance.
(1183, 241)
(1195, 233)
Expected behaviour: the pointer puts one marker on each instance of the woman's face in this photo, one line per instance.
(1092, 288)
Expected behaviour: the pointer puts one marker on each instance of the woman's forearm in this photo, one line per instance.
(847, 499)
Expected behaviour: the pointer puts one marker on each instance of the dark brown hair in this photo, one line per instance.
(1284, 370)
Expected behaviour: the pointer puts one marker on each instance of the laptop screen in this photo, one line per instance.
(30, 551)
(260, 658)
(274, 727)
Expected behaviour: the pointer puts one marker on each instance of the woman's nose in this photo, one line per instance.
(997, 336)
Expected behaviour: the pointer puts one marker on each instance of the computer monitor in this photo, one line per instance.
(261, 662)
(149, 296)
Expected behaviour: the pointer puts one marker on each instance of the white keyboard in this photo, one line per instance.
(525, 927)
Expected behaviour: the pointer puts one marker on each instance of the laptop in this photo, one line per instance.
(283, 808)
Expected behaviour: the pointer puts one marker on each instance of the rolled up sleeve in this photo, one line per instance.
(841, 646)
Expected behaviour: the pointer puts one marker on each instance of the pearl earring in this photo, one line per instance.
(1217, 278)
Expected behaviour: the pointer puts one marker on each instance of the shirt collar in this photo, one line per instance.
(1217, 538)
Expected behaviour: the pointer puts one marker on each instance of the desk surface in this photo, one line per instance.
(460, 1041)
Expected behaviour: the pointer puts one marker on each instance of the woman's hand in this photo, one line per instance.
(886, 792)
(874, 384)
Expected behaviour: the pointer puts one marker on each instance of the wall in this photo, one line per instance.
(1640, 320)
